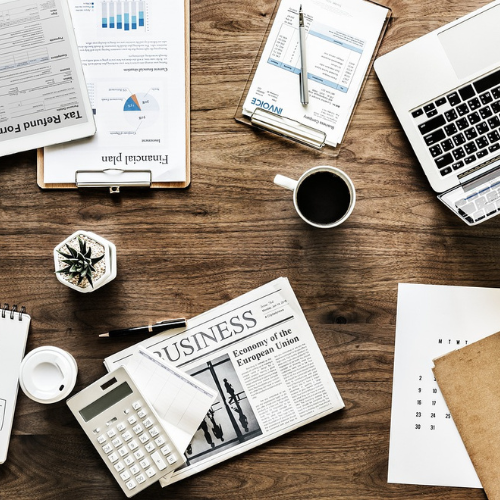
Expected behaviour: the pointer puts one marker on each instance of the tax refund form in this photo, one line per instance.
(43, 97)
(341, 39)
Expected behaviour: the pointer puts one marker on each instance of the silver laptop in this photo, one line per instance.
(445, 90)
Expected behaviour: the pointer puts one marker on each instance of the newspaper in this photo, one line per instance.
(260, 355)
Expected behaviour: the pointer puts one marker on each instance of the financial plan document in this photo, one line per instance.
(342, 36)
(134, 60)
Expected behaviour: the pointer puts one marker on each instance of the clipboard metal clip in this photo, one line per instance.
(288, 128)
(113, 178)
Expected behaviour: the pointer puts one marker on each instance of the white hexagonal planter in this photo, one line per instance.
(104, 269)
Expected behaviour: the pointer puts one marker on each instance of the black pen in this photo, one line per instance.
(168, 324)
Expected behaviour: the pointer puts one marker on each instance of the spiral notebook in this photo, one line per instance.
(14, 326)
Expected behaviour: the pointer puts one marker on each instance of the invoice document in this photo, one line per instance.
(342, 36)
(134, 59)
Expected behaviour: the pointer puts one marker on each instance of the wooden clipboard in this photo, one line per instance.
(289, 128)
(114, 186)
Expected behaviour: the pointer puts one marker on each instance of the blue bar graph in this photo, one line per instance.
(126, 15)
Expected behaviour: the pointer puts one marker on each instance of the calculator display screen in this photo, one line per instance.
(104, 402)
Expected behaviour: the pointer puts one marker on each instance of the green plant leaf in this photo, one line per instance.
(68, 256)
(72, 251)
(95, 260)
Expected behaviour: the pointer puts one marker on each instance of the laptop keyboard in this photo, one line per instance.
(462, 126)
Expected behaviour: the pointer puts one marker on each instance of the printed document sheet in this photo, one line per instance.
(425, 446)
(180, 400)
(41, 87)
(133, 58)
(341, 38)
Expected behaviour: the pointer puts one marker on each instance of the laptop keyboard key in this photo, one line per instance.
(462, 123)
(450, 129)
(457, 165)
(485, 112)
(435, 150)
(441, 101)
(451, 115)
(496, 93)
(482, 128)
(462, 109)
(486, 98)
(487, 82)
(482, 153)
(474, 118)
(495, 107)
(444, 161)
(466, 92)
(434, 137)
(494, 122)
(494, 136)
(447, 145)
(458, 153)
(432, 124)
(446, 171)
(470, 133)
(474, 103)
(459, 139)
(453, 99)
(470, 148)
(494, 147)
(482, 142)
(417, 113)
(470, 159)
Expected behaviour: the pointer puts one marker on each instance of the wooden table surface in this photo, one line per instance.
(182, 252)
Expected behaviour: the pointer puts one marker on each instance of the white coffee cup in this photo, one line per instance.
(48, 374)
(323, 196)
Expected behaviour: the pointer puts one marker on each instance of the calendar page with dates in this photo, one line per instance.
(425, 446)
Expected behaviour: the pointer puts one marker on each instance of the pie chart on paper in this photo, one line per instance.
(141, 110)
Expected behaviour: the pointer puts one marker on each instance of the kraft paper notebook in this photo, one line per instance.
(469, 379)
(14, 328)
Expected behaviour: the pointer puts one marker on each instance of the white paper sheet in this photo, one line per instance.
(134, 63)
(425, 446)
(340, 41)
(180, 400)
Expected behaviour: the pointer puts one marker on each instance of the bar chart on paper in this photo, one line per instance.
(123, 15)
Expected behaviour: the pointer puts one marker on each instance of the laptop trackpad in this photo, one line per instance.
(473, 44)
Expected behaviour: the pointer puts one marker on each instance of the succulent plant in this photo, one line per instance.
(80, 263)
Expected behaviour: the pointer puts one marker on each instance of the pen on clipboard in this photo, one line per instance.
(304, 92)
(161, 326)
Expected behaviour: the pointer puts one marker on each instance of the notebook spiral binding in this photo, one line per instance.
(12, 310)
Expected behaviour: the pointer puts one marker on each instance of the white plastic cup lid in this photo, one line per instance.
(48, 374)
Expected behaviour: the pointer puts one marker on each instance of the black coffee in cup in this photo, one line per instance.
(323, 197)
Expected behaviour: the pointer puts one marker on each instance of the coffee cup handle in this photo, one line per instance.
(285, 182)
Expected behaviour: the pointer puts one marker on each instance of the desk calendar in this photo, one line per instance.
(425, 447)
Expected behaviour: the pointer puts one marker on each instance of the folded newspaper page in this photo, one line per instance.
(258, 352)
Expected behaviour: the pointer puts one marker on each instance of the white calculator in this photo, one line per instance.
(126, 431)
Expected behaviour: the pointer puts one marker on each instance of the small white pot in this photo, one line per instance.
(105, 268)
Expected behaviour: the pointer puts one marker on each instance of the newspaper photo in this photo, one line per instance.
(260, 355)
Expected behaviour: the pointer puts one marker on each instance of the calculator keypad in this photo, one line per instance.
(137, 448)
